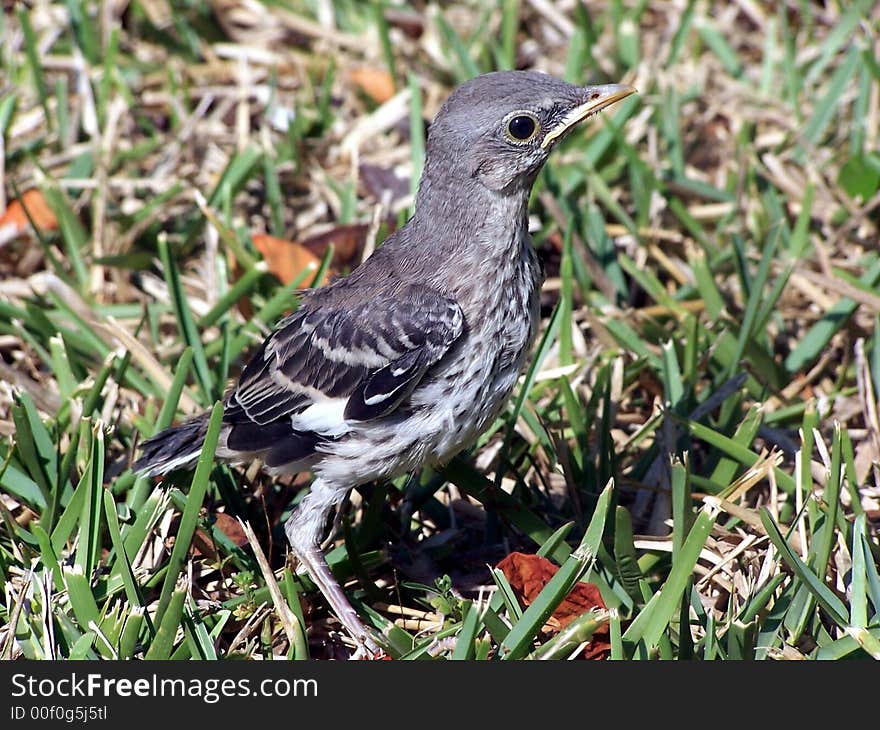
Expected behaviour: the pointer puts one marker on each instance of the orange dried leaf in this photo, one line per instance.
(347, 240)
(203, 545)
(230, 527)
(375, 83)
(36, 206)
(528, 574)
(286, 259)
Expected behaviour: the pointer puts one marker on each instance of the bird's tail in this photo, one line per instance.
(177, 447)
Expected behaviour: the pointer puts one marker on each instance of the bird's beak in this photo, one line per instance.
(598, 97)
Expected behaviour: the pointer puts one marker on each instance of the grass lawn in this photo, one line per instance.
(697, 435)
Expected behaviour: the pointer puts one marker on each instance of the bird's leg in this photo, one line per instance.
(320, 573)
(304, 528)
(334, 528)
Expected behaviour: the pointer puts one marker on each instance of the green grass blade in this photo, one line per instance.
(464, 647)
(189, 518)
(832, 605)
(653, 621)
(185, 321)
(163, 643)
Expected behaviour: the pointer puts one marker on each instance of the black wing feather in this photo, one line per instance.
(373, 352)
(384, 389)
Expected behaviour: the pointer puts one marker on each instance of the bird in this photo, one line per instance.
(408, 359)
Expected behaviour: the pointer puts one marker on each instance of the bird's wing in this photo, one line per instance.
(327, 365)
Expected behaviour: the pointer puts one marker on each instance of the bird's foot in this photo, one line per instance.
(312, 558)
(362, 653)
(367, 647)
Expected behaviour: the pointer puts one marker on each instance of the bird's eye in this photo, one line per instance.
(521, 127)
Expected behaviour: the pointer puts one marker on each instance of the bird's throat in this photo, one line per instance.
(473, 223)
(478, 241)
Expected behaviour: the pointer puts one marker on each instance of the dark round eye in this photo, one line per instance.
(521, 127)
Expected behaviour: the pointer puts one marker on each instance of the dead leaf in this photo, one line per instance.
(230, 527)
(348, 242)
(375, 83)
(203, 543)
(528, 574)
(286, 259)
(15, 218)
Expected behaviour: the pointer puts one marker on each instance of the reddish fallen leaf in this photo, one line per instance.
(375, 83)
(528, 574)
(230, 527)
(203, 545)
(286, 259)
(347, 240)
(14, 219)
(599, 648)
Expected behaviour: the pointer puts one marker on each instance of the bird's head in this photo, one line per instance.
(499, 128)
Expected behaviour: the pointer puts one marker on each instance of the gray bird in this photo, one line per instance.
(408, 359)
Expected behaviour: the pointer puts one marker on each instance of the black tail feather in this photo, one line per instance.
(174, 448)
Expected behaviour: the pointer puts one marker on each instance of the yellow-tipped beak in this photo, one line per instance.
(598, 98)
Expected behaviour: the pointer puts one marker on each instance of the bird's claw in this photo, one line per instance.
(367, 648)
(364, 653)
